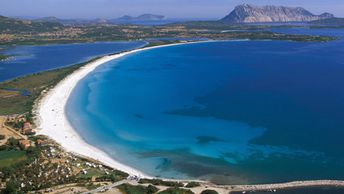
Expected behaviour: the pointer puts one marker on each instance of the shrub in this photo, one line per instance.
(3, 147)
(192, 184)
(161, 182)
(137, 189)
(12, 143)
(12, 186)
(208, 191)
(176, 191)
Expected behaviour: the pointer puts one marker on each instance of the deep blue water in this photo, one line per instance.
(301, 190)
(32, 59)
(231, 112)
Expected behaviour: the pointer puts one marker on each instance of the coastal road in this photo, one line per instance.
(107, 187)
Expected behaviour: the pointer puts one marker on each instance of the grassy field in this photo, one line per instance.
(92, 172)
(10, 157)
(34, 84)
(8, 94)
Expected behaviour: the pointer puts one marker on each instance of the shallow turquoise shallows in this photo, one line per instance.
(231, 112)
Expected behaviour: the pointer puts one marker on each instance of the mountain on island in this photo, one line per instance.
(143, 17)
(255, 14)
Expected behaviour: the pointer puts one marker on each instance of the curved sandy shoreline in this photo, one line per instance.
(52, 121)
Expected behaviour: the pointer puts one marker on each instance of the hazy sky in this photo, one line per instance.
(169, 8)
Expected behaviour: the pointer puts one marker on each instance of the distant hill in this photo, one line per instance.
(329, 22)
(72, 21)
(123, 19)
(254, 14)
(48, 19)
(143, 17)
(10, 25)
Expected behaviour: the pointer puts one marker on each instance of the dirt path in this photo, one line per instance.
(8, 132)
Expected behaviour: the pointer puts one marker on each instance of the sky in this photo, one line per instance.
(169, 8)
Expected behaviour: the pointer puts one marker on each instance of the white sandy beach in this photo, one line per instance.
(53, 123)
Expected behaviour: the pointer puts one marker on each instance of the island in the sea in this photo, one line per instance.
(254, 14)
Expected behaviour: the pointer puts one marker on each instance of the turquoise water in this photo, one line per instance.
(230, 112)
(26, 60)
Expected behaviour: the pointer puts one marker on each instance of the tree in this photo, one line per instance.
(208, 191)
(12, 142)
(12, 187)
(151, 189)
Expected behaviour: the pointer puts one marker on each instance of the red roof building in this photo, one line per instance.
(27, 128)
(24, 144)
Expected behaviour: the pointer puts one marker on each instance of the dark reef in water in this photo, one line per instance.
(207, 139)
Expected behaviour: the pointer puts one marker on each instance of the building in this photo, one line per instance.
(27, 130)
(24, 144)
(15, 118)
(41, 142)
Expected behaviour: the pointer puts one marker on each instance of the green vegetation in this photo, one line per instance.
(12, 164)
(34, 84)
(330, 22)
(11, 157)
(102, 176)
(176, 191)
(208, 191)
(114, 176)
(91, 186)
(161, 182)
(92, 173)
(9, 25)
(153, 43)
(3, 57)
(217, 25)
(160, 42)
(131, 189)
(14, 32)
(39, 167)
(192, 184)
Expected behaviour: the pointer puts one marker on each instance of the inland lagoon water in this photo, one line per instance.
(26, 60)
(231, 112)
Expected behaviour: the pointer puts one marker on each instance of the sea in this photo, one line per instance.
(29, 59)
(237, 112)
(299, 190)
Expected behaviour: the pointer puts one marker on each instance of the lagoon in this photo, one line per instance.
(28, 59)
